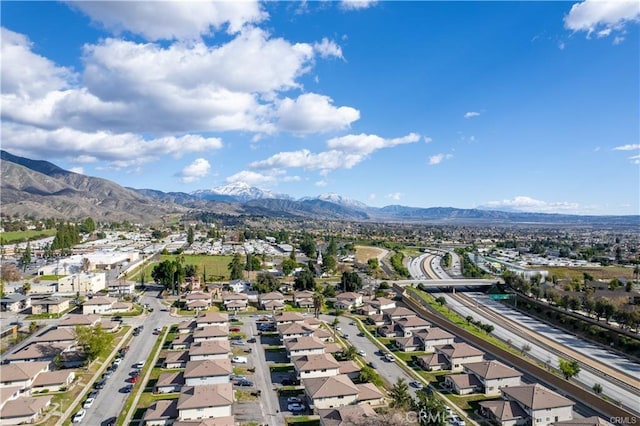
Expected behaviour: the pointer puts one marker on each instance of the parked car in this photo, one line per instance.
(372, 365)
(416, 384)
(133, 379)
(138, 364)
(251, 340)
(127, 389)
(93, 394)
(237, 343)
(117, 361)
(79, 416)
(294, 400)
(290, 382)
(239, 359)
(234, 329)
(245, 383)
(296, 407)
(111, 421)
(88, 402)
(100, 383)
(362, 353)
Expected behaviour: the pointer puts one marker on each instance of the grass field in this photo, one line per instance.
(216, 267)
(598, 273)
(21, 236)
(364, 253)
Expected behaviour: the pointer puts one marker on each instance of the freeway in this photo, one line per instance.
(548, 344)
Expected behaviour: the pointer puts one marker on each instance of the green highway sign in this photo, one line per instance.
(499, 296)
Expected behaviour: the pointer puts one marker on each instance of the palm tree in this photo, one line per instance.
(318, 303)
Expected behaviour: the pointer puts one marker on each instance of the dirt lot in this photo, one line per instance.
(364, 253)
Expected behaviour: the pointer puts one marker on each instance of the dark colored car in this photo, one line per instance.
(111, 421)
(245, 383)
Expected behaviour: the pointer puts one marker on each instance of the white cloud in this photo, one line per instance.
(471, 114)
(156, 20)
(627, 147)
(635, 159)
(269, 178)
(344, 153)
(395, 196)
(310, 113)
(118, 150)
(78, 170)
(427, 139)
(195, 171)
(439, 158)
(357, 4)
(327, 48)
(618, 40)
(25, 74)
(602, 16)
(372, 196)
(321, 183)
(528, 204)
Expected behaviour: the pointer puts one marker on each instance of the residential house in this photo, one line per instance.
(349, 368)
(218, 421)
(75, 320)
(23, 410)
(22, 374)
(287, 318)
(409, 344)
(207, 372)
(218, 319)
(210, 333)
(347, 415)
(169, 382)
(197, 300)
(303, 299)
(239, 286)
(463, 384)
(376, 319)
(369, 394)
(323, 335)
(317, 365)
(493, 375)
(348, 301)
(175, 359)
(161, 413)
(121, 288)
(307, 345)
(433, 362)
(382, 303)
(538, 406)
(205, 401)
(235, 301)
(50, 305)
(330, 392)
(57, 335)
(296, 329)
(98, 305)
(434, 336)
(187, 326)
(459, 354)
(394, 314)
(217, 349)
(53, 381)
(182, 341)
(367, 310)
(14, 302)
(35, 352)
(271, 301)
(410, 325)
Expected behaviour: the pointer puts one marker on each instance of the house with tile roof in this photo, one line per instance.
(369, 394)
(330, 392)
(317, 365)
(24, 410)
(218, 319)
(536, 405)
(169, 382)
(53, 381)
(175, 359)
(347, 415)
(211, 333)
(460, 353)
(205, 401)
(307, 345)
(161, 413)
(22, 374)
(493, 375)
(207, 372)
(217, 349)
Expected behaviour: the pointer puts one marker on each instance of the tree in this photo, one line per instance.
(26, 287)
(190, 270)
(488, 328)
(597, 388)
(568, 368)
(304, 280)
(94, 341)
(265, 282)
(33, 326)
(288, 265)
(329, 291)
(431, 409)
(318, 303)
(190, 235)
(440, 300)
(9, 272)
(373, 264)
(329, 263)
(526, 348)
(400, 396)
(351, 281)
(25, 258)
(253, 263)
(469, 319)
(308, 246)
(369, 375)
(350, 353)
(236, 267)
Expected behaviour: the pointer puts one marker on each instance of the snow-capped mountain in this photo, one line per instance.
(332, 197)
(238, 191)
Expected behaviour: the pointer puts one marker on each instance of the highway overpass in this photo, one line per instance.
(465, 282)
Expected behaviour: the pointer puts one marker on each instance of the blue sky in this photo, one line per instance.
(529, 106)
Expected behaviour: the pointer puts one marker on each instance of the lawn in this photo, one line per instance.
(603, 272)
(21, 236)
(216, 267)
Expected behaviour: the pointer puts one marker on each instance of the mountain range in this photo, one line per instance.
(41, 189)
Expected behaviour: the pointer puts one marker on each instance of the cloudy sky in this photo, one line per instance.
(528, 106)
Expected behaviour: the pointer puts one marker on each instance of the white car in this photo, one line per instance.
(294, 400)
(79, 416)
(88, 402)
(239, 359)
(362, 353)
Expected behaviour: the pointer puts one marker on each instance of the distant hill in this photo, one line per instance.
(42, 189)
